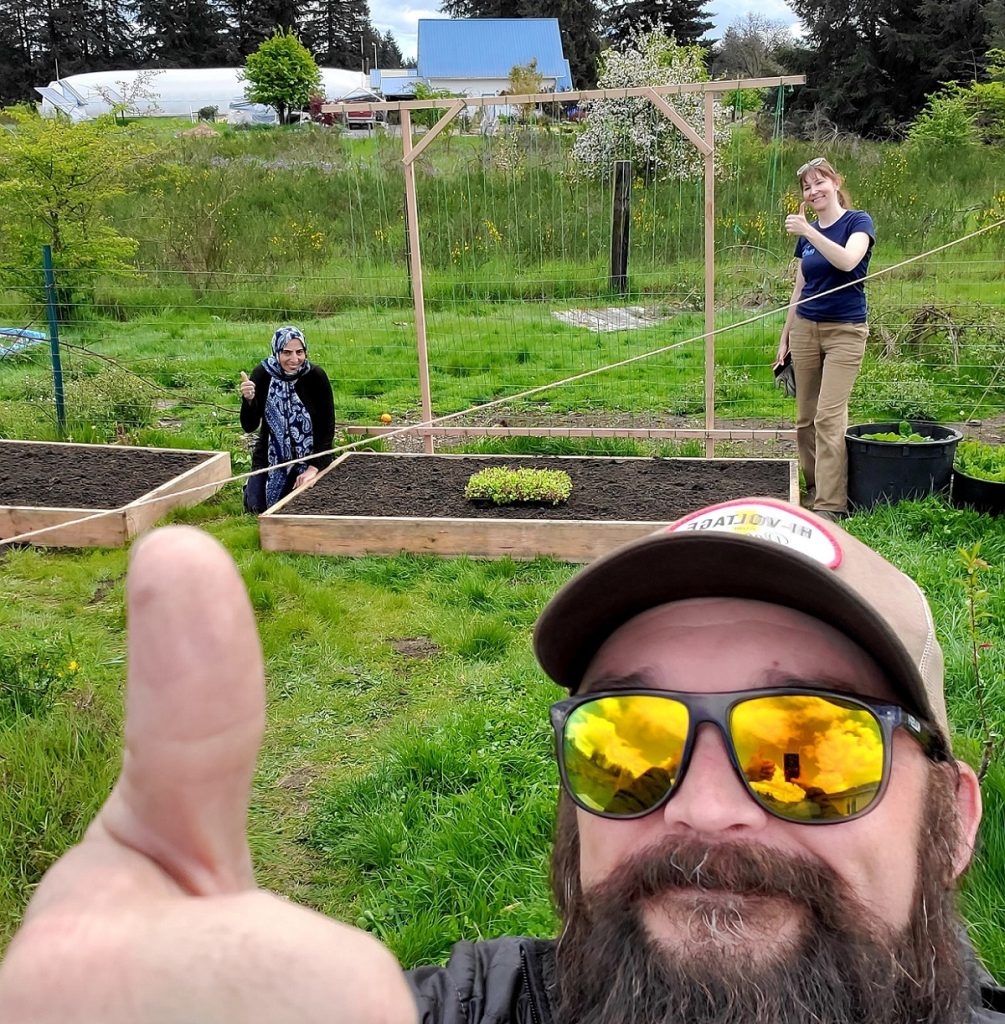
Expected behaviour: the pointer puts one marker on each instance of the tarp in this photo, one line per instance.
(26, 339)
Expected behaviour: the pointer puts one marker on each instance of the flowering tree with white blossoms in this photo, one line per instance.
(633, 128)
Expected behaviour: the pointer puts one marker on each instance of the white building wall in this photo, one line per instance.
(174, 92)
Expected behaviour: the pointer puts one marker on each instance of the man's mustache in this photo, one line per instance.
(745, 868)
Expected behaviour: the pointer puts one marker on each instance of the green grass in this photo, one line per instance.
(406, 782)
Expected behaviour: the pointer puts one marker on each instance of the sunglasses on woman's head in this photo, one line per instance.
(815, 162)
(807, 756)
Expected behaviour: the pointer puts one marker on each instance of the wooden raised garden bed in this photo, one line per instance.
(47, 483)
(369, 503)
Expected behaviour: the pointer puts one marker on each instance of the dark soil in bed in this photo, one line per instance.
(52, 476)
(432, 486)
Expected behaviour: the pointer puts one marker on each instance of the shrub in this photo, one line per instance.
(32, 681)
(503, 485)
(208, 113)
(946, 120)
(983, 461)
(895, 388)
(111, 397)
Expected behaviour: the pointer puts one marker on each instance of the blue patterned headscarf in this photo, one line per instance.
(291, 432)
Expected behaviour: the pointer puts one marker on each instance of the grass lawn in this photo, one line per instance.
(406, 782)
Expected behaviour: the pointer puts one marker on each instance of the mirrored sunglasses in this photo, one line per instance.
(815, 162)
(808, 756)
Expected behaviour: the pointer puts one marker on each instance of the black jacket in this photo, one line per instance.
(315, 391)
(510, 981)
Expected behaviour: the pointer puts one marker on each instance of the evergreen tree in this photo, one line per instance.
(484, 9)
(251, 22)
(336, 32)
(388, 51)
(876, 60)
(184, 33)
(686, 20)
(20, 51)
(995, 14)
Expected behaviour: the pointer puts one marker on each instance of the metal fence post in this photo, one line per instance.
(621, 219)
(51, 310)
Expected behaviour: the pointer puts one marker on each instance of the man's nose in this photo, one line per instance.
(711, 799)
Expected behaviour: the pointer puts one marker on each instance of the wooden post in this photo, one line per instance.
(418, 298)
(621, 219)
(710, 273)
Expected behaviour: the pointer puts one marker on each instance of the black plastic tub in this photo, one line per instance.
(987, 496)
(899, 470)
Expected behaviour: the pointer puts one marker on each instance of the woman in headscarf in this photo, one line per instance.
(292, 401)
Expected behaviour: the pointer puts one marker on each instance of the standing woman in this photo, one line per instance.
(826, 335)
(292, 400)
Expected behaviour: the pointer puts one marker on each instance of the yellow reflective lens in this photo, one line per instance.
(808, 758)
(622, 754)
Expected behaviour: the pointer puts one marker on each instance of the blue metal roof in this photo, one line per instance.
(490, 47)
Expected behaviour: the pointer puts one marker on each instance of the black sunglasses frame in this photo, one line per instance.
(716, 709)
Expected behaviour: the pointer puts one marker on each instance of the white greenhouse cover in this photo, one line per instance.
(172, 92)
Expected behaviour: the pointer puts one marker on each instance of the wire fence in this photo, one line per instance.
(516, 253)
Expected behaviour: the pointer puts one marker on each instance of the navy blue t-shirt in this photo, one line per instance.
(847, 305)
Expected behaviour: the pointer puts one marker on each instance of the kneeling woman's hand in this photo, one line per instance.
(305, 477)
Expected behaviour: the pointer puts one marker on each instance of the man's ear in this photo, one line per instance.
(968, 810)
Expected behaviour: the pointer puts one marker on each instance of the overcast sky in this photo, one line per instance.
(402, 18)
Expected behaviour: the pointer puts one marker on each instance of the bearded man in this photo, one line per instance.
(761, 817)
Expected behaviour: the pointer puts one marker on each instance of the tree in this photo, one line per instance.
(686, 20)
(875, 61)
(633, 129)
(252, 22)
(995, 14)
(525, 80)
(750, 48)
(283, 74)
(55, 178)
(337, 31)
(183, 33)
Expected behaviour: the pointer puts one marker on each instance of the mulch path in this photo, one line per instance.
(98, 477)
(656, 490)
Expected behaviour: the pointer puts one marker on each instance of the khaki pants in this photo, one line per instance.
(826, 358)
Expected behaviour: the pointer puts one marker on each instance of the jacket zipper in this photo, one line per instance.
(534, 1015)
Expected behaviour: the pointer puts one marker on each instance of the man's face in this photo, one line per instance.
(719, 644)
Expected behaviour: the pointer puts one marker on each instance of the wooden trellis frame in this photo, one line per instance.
(660, 96)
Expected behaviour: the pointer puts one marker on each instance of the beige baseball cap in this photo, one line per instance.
(764, 550)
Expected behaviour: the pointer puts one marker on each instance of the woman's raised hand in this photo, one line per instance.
(247, 387)
(796, 223)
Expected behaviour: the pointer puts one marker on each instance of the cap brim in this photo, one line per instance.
(669, 567)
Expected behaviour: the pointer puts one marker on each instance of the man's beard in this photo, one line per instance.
(842, 964)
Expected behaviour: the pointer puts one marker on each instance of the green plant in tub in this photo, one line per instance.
(981, 461)
(905, 432)
(503, 485)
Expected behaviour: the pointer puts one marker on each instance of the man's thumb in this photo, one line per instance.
(244, 377)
